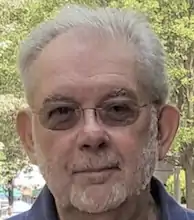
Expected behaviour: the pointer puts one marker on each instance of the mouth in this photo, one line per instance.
(97, 170)
(94, 176)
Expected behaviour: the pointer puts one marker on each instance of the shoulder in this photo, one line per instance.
(189, 214)
(22, 216)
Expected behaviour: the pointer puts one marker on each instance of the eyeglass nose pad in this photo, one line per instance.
(89, 113)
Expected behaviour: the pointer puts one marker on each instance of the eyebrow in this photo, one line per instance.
(122, 92)
(57, 98)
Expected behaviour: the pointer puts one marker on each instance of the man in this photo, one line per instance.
(98, 120)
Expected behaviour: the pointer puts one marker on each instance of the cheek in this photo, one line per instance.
(45, 139)
(52, 148)
(130, 142)
(53, 156)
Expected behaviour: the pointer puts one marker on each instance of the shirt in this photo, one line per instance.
(44, 207)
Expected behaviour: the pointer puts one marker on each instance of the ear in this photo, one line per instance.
(168, 124)
(24, 129)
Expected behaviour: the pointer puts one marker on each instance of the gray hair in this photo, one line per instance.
(129, 25)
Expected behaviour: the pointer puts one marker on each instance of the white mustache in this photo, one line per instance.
(95, 163)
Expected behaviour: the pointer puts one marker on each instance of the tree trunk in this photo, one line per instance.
(189, 175)
(177, 190)
(10, 192)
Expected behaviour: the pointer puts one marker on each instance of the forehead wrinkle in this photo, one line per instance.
(119, 92)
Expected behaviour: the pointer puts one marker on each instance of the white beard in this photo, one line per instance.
(84, 199)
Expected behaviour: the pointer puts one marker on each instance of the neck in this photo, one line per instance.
(141, 207)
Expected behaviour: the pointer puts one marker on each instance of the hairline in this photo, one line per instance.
(53, 29)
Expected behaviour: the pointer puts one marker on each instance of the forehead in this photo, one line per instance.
(84, 64)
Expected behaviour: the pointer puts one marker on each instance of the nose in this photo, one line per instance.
(92, 135)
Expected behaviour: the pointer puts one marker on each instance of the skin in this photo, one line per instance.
(87, 67)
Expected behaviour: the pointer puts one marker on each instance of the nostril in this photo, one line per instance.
(86, 146)
(94, 145)
(102, 145)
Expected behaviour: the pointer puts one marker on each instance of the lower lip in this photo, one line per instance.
(96, 177)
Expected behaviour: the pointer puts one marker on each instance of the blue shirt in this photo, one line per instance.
(44, 208)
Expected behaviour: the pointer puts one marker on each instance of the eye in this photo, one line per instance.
(119, 109)
(60, 118)
(64, 111)
(119, 113)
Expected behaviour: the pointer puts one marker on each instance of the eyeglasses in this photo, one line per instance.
(66, 115)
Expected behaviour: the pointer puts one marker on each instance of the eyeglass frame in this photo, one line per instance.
(97, 114)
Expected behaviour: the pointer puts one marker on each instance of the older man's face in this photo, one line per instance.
(91, 159)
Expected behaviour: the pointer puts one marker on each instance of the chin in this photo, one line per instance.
(98, 198)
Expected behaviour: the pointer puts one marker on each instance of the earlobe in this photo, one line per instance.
(168, 124)
(24, 129)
